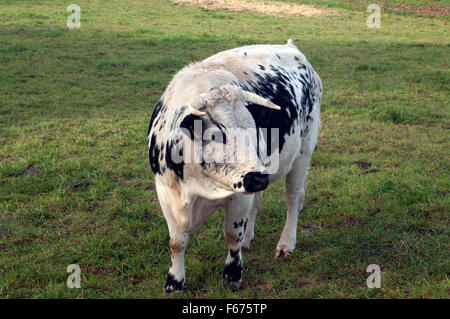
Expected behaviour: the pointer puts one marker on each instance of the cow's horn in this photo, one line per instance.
(256, 99)
(198, 103)
(196, 112)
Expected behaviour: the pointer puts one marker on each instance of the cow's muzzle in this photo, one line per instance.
(255, 182)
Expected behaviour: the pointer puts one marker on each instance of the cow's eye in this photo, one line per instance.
(219, 137)
(189, 124)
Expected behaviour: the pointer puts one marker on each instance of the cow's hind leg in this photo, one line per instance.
(238, 207)
(295, 193)
(250, 229)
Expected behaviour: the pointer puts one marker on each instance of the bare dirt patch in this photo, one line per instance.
(308, 230)
(270, 8)
(6, 159)
(430, 9)
(31, 171)
(365, 167)
(23, 31)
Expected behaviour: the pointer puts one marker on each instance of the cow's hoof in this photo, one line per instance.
(173, 285)
(282, 253)
(233, 280)
(235, 286)
(246, 244)
(171, 289)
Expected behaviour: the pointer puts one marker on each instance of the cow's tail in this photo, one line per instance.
(290, 43)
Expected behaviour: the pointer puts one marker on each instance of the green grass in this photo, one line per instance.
(76, 187)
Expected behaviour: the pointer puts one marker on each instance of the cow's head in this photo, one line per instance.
(221, 149)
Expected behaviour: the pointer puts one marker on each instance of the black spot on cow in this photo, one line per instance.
(305, 131)
(154, 149)
(172, 284)
(277, 87)
(306, 101)
(159, 106)
(239, 184)
(153, 155)
(234, 253)
(176, 165)
(233, 270)
(193, 126)
(220, 126)
(262, 67)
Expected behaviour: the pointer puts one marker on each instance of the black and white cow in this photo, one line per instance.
(260, 102)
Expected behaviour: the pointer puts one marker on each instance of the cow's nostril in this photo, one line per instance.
(255, 181)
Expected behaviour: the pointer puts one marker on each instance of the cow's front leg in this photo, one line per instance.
(250, 229)
(177, 277)
(238, 207)
(178, 242)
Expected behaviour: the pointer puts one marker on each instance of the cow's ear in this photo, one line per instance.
(193, 125)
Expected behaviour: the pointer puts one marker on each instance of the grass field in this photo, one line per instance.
(75, 182)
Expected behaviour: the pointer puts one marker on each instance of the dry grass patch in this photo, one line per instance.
(431, 9)
(269, 8)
